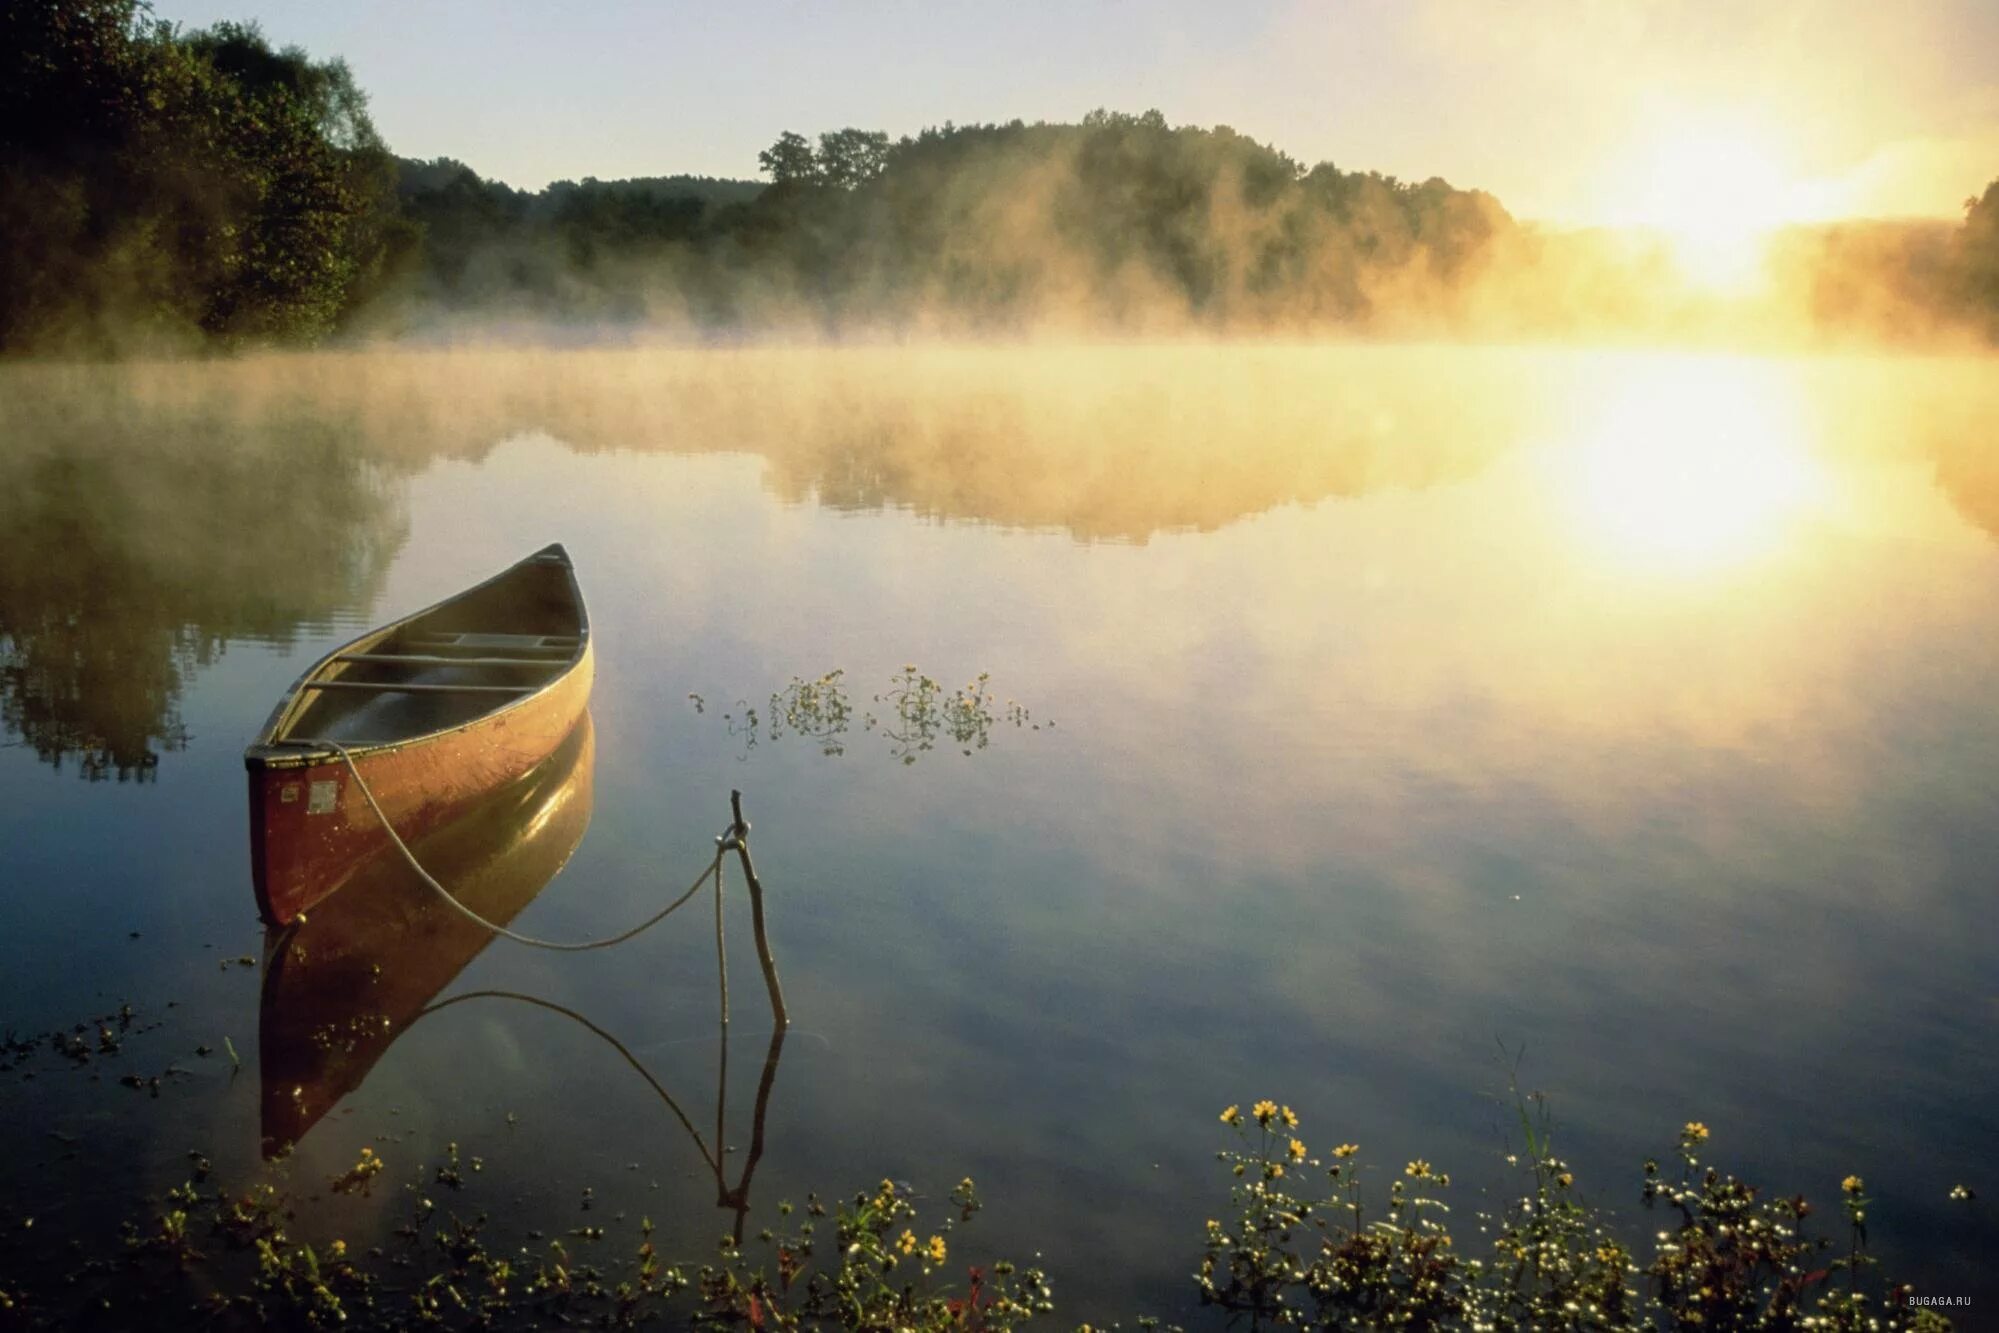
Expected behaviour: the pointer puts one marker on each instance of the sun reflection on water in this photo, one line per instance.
(1688, 464)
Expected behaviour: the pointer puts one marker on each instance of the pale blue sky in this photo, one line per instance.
(1887, 107)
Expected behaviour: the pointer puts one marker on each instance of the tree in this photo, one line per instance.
(1978, 255)
(852, 157)
(155, 183)
(789, 159)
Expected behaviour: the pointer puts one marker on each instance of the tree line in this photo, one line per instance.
(168, 187)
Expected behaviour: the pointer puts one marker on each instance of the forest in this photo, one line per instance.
(167, 189)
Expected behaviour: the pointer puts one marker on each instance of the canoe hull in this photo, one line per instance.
(310, 826)
(435, 711)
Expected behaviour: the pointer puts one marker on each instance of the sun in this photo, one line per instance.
(1716, 188)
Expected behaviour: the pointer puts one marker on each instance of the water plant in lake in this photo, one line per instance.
(1309, 1240)
(1337, 1256)
(1293, 1253)
(919, 714)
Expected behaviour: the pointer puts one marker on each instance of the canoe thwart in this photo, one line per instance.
(416, 687)
(424, 659)
(474, 640)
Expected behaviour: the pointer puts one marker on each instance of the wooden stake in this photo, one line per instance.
(742, 831)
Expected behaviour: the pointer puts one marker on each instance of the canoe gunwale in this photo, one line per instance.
(272, 751)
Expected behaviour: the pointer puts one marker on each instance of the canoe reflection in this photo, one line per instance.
(342, 983)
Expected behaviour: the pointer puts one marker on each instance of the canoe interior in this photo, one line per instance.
(482, 650)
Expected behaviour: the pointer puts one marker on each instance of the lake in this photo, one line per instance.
(1362, 723)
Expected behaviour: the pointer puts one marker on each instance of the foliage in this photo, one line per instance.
(1311, 1240)
(164, 186)
(235, 1258)
(1977, 256)
(888, 1274)
(1117, 220)
(167, 187)
(1330, 1257)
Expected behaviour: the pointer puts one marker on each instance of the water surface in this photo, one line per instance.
(1407, 704)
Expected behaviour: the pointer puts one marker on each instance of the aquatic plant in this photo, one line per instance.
(919, 714)
(1298, 1253)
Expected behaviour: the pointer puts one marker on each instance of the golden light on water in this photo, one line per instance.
(1688, 464)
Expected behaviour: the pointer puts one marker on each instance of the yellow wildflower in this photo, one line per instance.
(1264, 1111)
(907, 1242)
(1417, 1170)
(1274, 1170)
(340, 1249)
(1852, 1185)
(1232, 1116)
(1346, 1150)
(1695, 1132)
(937, 1250)
(1565, 1180)
(1289, 1117)
(1297, 1150)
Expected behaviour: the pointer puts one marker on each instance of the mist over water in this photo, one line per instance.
(1632, 706)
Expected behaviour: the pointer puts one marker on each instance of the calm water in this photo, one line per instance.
(1406, 703)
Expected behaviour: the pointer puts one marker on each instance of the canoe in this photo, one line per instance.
(435, 710)
(342, 985)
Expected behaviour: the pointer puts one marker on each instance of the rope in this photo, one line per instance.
(624, 1053)
(723, 844)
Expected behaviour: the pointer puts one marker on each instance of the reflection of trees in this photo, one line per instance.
(130, 555)
(1968, 473)
(1107, 443)
(150, 513)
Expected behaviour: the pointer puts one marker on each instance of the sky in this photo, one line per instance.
(1581, 112)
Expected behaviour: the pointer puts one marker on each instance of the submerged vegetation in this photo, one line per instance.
(167, 188)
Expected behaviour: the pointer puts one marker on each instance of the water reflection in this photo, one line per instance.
(1689, 464)
(731, 1195)
(1681, 774)
(341, 984)
(133, 551)
(344, 982)
(151, 514)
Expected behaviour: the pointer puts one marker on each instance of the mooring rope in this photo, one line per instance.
(723, 844)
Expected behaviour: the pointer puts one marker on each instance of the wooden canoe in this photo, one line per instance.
(342, 985)
(436, 709)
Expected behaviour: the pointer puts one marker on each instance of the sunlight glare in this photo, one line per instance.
(1716, 190)
(1691, 463)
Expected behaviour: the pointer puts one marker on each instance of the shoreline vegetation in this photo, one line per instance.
(1307, 1237)
(173, 191)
